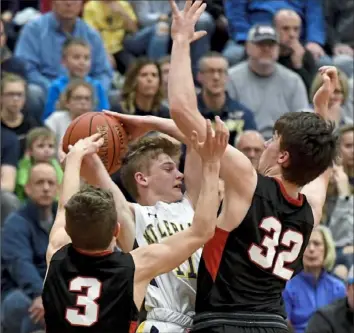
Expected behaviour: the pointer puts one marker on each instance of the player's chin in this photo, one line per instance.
(178, 195)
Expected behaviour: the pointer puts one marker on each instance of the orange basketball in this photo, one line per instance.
(115, 138)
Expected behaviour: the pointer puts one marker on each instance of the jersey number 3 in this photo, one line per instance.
(89, 290)
(266, 255)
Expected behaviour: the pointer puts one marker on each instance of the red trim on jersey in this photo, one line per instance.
(297, 202)
(133, 326)
(94, 254)
(213, 251)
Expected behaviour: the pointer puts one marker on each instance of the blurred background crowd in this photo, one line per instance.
(62, 58)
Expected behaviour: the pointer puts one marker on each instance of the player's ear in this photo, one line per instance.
(284, 159)
(141, 179)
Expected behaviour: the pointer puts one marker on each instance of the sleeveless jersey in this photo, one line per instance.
(94, 294)
(174, 290)
(246, 270)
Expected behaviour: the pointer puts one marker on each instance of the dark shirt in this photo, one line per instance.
(14, 65)
(237, 117)
(21, 130)
(10, 147)
(163, 112)
(307, 71)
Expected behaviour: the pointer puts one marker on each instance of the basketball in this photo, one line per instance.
(115, 138)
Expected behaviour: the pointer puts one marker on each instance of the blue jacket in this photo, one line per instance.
(59, 85)
(40, 44)
(243, 14)
(23, 254)
(303, 296)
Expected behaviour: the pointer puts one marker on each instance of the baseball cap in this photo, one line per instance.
(259, 33)
(350, 279)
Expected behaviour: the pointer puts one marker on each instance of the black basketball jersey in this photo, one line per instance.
(246, 270)
(89, 293)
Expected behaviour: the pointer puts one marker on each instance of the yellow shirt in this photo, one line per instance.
(110, 25)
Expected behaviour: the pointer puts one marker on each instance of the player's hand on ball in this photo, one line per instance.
(89, 145)
(135, 126)
(213, 148)
(184, 21)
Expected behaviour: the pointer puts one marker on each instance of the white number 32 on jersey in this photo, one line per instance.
(89, 290)
(266, 255)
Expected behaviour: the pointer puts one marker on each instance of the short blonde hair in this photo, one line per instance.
(343, 80)
(330, 249)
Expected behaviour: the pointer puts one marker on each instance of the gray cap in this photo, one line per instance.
(260, 33)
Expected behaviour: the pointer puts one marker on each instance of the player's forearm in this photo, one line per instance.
(205, 217)
(181, 92)
(169, 127)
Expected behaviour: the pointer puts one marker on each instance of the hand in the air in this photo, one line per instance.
(213, 148)
(184, 21)
(135, 126)
(89, 145)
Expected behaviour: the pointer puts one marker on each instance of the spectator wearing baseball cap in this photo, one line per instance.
(337, 317)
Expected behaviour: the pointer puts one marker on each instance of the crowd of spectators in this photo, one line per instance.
(63, 58)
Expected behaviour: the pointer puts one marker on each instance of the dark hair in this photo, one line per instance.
(74, 41)
(91, 218)
(311, 143)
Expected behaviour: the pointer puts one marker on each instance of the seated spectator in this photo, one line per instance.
(9, 63)
(10, 153)
(251, 143)
(293, 54)
(340, 26)
(25, 240)
(153, 39)
(142, 90)
(164, 64)
(337, 99)
(314, 287)
(338, 217)
(40, 148)
(242, 15)
(213, 100)
(41, 40)
(337, 317)
(266, 87)
(347, 152)
(13, 97)
(77, 61)
(77, 99)
(113, 19)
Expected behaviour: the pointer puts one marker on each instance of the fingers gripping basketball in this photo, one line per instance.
(115, 138)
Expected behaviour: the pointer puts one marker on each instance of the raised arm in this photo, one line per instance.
(96, 174)
(176, 249)
(71, 184)
(316, 191)
(236, 169)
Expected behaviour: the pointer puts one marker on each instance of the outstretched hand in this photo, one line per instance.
(184, 21)
(214, 146)
(322, 97)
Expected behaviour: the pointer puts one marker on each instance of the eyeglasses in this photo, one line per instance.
(13, 94)
(78, 98)
(212, 71)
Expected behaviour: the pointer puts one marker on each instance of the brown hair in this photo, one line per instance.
(140, 155)
(72, 86)
(73, 41)
(130, 83)
(343, 80)
(310, 142)
(91, 218)
(36, 133)
(10, 78)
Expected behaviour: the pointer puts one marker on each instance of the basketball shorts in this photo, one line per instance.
(165, 321)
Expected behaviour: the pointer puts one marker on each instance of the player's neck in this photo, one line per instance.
(148, 199)
(292, 190)
(144, 103)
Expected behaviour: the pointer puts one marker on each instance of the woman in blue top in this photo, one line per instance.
(314, 287)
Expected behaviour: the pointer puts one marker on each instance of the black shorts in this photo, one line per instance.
(239, 323)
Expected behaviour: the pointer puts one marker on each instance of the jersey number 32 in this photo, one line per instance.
(266, 255)
(89, 290)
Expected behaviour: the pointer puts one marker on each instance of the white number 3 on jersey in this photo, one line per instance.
(85, 300)
(266, 254)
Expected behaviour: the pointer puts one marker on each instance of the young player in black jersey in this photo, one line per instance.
(90, 287)
(267, 217)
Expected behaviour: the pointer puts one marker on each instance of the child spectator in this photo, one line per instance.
(77, 60)
(40, 148)
(77, 99)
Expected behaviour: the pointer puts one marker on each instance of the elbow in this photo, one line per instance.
(205, 228)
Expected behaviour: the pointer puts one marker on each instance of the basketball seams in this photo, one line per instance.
(114, 143)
